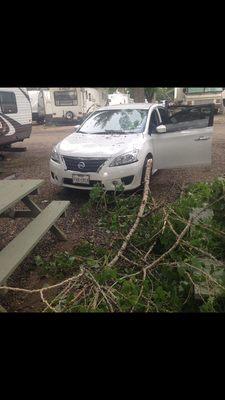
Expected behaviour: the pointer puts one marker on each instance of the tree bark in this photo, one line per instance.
(122, 90)
(139, 94)
(150, 94)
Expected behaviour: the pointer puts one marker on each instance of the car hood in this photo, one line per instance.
(90, 145)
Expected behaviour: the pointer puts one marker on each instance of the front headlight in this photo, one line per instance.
(125, 159)
(55, 156)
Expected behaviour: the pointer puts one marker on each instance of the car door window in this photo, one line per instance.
(184, 117)
(164, 116)
(154, 122)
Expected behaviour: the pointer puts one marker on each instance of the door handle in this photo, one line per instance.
(202, 138)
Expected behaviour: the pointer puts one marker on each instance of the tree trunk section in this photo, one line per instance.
(122, 90)
(139, 95)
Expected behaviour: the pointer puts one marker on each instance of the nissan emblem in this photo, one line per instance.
(81, 165)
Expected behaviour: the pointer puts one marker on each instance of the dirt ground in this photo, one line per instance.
(34, 163)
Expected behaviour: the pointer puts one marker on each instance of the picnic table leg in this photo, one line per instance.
(2, 309)
(36, 211)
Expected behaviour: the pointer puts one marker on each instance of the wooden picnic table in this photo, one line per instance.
(11, 193)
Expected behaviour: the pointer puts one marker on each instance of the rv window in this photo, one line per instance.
(8, 102)
(65, 98)
(204, 90)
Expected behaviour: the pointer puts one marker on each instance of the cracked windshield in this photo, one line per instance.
(116, 121)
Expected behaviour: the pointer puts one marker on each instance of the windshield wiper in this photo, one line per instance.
(113, 131)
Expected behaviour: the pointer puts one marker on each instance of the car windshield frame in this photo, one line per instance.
(118, 131)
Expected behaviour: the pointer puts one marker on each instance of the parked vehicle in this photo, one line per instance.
(33, 95)
(15, 115)
(223, 96)
(113, 145)
(70, 104)
(197, 96)
(44, 106)
(119, 98)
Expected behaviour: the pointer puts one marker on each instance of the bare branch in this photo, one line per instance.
(139, 216)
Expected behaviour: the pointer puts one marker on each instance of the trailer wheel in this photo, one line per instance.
(40, 121)
(69, 115)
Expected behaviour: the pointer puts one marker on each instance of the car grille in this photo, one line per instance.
(89, 164)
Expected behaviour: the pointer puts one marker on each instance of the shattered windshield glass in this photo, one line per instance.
(116, 121)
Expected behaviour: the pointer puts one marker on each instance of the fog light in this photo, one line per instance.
(127, 180)
(116, 183)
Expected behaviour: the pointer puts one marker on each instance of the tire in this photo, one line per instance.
(40, 121)
(149, 157)
(69, 115)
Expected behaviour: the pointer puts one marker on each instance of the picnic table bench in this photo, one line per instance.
(11, 193)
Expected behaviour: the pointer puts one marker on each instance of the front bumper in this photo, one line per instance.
(108, 177)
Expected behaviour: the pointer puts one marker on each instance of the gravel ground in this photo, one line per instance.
(33, 163)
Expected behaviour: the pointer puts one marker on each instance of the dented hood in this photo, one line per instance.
(99, 145)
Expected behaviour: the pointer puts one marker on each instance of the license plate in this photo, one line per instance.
(85, 179)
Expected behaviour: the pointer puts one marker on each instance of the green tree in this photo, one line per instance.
(139, 94)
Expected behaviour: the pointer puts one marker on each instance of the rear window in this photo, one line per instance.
(65, 98)
(180, 118)
(8, 103)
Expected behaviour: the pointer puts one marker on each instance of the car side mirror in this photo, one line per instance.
(161, 129)
(77, 127)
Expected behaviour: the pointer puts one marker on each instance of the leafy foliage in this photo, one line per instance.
(190, 278)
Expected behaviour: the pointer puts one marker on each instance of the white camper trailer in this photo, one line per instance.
(44, 106)
(15, 115)
(223, 96)
(197, 96)
(33, 95)
(94, 98)
(119, 98)
(69, 104)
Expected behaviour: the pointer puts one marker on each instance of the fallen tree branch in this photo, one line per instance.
(101, 290)
(22, 290)
(173, 247)
(139, 216)
(189, 245)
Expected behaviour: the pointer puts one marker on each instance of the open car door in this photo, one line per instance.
(188, 137)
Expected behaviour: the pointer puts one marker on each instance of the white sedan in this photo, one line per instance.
(113, 144)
